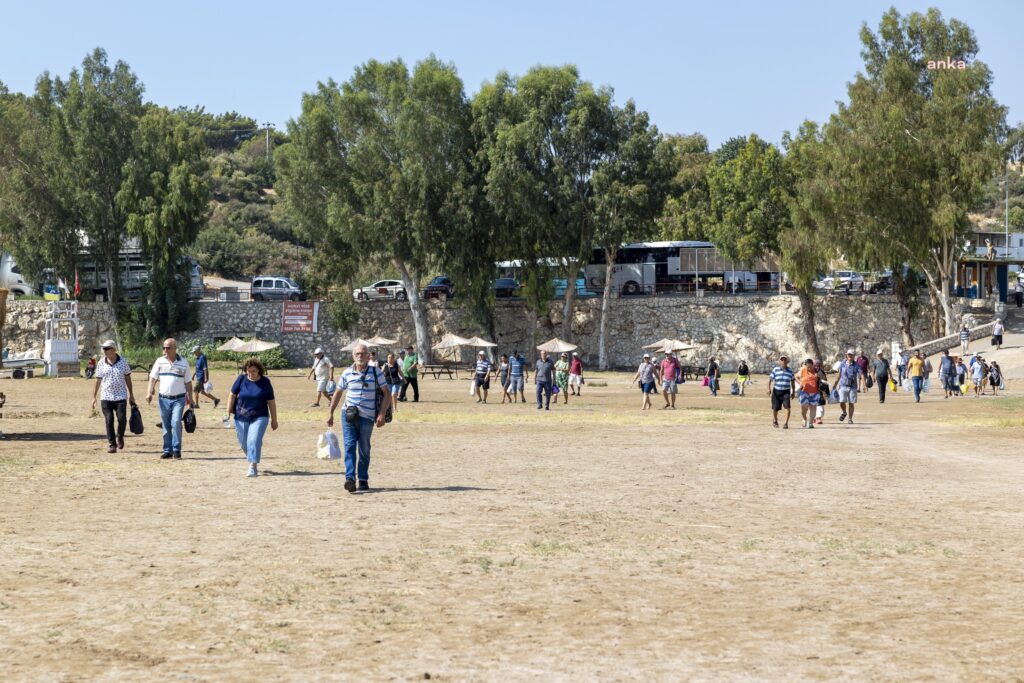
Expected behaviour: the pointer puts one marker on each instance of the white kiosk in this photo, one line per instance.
(61, 349)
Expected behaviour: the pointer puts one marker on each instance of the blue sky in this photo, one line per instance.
(719, 68)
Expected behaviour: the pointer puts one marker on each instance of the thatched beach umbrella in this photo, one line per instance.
(378, 340)
(256, 346)
(557, 345)
(231, 344)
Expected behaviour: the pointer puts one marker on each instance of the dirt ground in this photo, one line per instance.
(592, 542)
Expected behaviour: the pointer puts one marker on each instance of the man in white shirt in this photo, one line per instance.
(171, 372)
(323, 372)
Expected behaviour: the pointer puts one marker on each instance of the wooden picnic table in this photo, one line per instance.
(438, 369)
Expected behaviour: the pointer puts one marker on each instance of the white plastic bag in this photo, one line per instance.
(327, 446)
(208, 387)
(472, 388)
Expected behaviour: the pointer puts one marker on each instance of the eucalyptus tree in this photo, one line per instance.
(688, 204)
(630, 187)
(374, 167)
(915, 144)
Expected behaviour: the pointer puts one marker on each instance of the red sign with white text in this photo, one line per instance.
(300, 316)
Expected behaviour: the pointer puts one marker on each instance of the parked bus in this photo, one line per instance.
(686, 266)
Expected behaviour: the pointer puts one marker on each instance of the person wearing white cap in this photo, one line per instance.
(576, 374)
(849, 381)
(201, 383)
(114, 386)
(323, 370)
(646, 375)
(482, 378)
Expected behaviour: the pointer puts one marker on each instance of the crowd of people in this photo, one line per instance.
(369, 390)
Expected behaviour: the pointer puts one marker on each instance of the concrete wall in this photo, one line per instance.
(26, 326)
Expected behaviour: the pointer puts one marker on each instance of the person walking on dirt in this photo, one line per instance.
(544, 378)
(393, 377)
(576, 374)
(201, 379)
(781, 388)
(881, 370)
(819, 411)
(809, 381)
(410, 370)
(947, 374)
(713, 373)
(743, 376)
(961, 377)
(482, 377)
(1018, 293)
(849, 379)
(323, 372)
(978, 372)
(365, 407)
(253, 406)
(965, 339)
(862, 363)
(995, 376)
(518, 376)
(170, 371)
(562, 377)
(669, 388)
(502, 373)
(646, 375)
(915, 370)
(114, 386)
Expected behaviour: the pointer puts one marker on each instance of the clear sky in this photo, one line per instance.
(719, 68)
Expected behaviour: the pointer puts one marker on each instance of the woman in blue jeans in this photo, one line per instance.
(253, 407)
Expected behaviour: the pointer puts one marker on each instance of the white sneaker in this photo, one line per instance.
(252, 470)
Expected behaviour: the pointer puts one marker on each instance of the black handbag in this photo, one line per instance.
(870, 382)
(189, 418)
(135, 425)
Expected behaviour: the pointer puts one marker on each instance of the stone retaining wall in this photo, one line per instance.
(26, 326)
(755, 328)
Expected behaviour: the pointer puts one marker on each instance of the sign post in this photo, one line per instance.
(300, 316)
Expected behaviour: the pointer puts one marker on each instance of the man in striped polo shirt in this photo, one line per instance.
(482, 378)
(518, 376)
(781, 388)
(363, 409)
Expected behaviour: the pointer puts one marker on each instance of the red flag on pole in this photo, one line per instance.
(78, 285)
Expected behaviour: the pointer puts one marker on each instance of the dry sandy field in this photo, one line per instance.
(499, 542)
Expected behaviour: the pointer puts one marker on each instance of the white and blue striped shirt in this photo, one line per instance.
(360, 389)
(781, 378)
(483, 366)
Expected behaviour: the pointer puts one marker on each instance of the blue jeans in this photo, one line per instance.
(170, 414)
(713, 385)
(543, 392)
(357, 437)
(918, 383)
(250, 436)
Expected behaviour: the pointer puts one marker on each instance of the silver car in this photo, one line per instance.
(276, 287)
(382, 289)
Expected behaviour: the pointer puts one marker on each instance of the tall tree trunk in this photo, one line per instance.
(905, 302)
(419, 313)
(606, 297)
(810, 333)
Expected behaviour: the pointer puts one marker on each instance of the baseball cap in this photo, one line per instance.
(850, 352)
(197, 347)
(481, 352)
(647, 355)
(575, 353)
(317, 350)
(109, 344)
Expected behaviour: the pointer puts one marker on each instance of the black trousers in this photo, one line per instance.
(883, 384)
(410, 382)
(109, 408)
(1019, 297)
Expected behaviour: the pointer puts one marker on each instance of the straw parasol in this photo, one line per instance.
(658, 345)
(478, 342)
(231, 344)
(451, 341)
(556, 345)
(255, 346)
(380, 341)
(351, 346)
(675, 346)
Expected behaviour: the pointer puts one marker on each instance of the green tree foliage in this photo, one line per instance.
(549, 131)
(373, 169)
(749, 195)
(688, 205)
(915, 146)
(164, 197)
(630, 186)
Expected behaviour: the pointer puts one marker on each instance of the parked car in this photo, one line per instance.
(581, 288)
(842, 280)
(276, 288)
(883, 285)
(381, 289)
(505, 287)
(438, 286)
